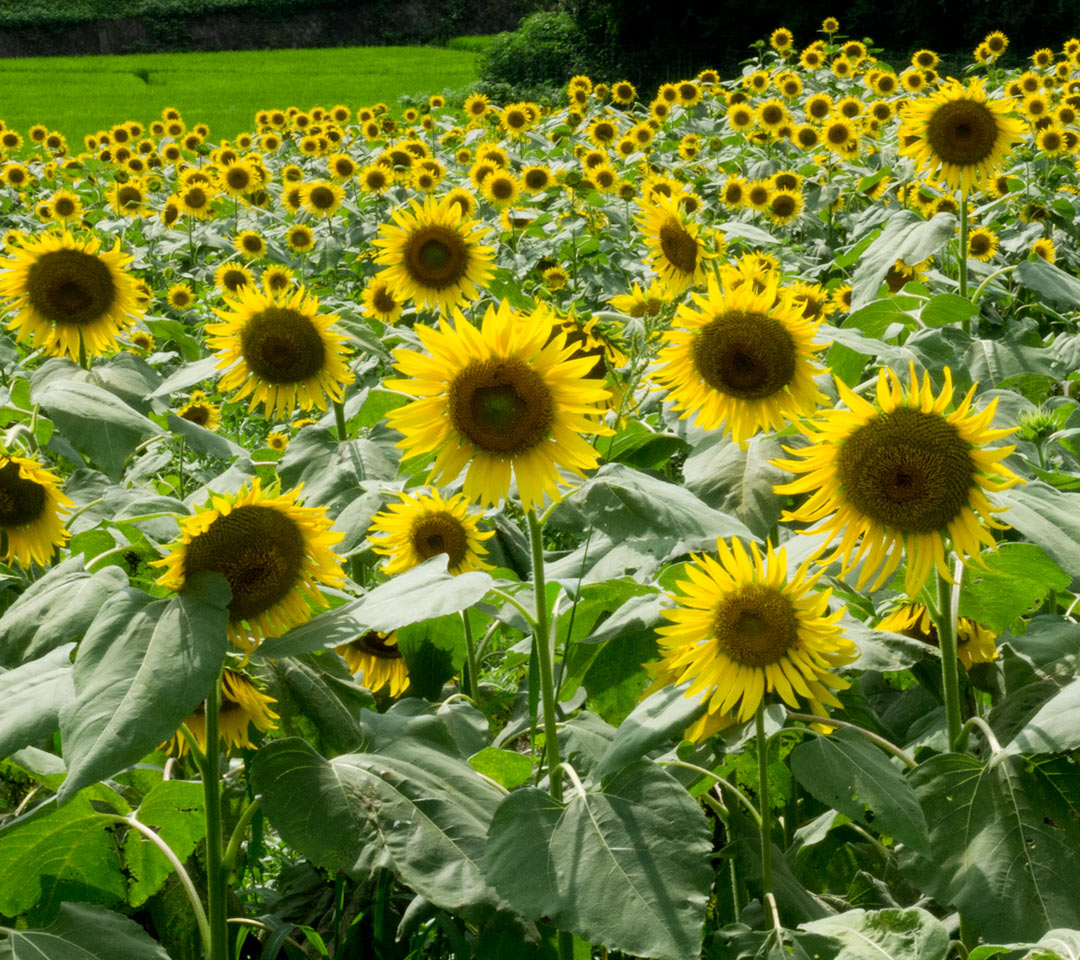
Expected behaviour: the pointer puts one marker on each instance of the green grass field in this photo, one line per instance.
(79, 95)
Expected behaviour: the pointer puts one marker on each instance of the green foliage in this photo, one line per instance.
(546, 48)
(83, 932)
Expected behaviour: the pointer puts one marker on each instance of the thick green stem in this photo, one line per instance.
(339, 417)
(544, 656)
(763, 802)
(215, 868)
(470, 653)
(964, 255)
(232, 851)
(950, 671)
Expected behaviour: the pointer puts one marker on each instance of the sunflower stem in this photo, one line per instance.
(470, 652)
(544, 657)
(763, 802)
(964, 255)
(180, 478)
(950, 672)
(339, 417)
(216, 893)
(232, 851)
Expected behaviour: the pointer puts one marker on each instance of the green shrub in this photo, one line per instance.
(545, 49)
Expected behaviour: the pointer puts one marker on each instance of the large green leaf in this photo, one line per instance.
(911, 934)
(627, 867)
(1003, 839)
(425, 592)
(175, 809)
(333, 474)
(1048, 517)
(83, 932)
(98, 424)
(434, 651)
(906, 236)
(65, 853)
(1012, 582)
(847, 772)
(417, 807)
(989, 362)
(31, 697)
(1051, 282)
(55, 610)
(141, 670)
(1055, 726)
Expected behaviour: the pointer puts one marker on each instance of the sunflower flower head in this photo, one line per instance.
(743, 628)
(899, 476)
(675, 251)
(31, 502)
(273, 552)
(974, 642)
(507, 398)
(378, 662)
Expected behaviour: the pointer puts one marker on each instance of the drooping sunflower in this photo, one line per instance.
(507, 398)
(898, 477)
(675, 252)
(743, 361)
(30, 505)
(243, 705)
(433, 254)
(958, 136)
(743, 628)
(424, 525)
(974, 643)
(63, 292)
(376, 658)
(280, 350)
(273, 552)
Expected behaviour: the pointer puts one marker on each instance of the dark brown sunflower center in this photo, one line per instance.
(436, 257)
(282, 346)
(253, 244)
(755, 625)
(435, 533)
(979, 244)
(374, 644)
(502, 188)
(501, 406)
(197, 413)
(962, 132)
(70, 286)
(807, 137)
(536, 179)
(771, 114)
(195, 198)
(375, 179)
(908, 470)
(64, 207)
(383, 300)
(838, 133)
(783, 205)
(301, 239)
(258, 549)
(679, 247)
(233, 280)
(746, 355)
(733, 193)
(22, 501)
(322, 198)
(180, 298)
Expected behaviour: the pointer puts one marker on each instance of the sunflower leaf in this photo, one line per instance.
(30, 698)
(911, 934)
(142, 668)
(906, 236)
(83, 932)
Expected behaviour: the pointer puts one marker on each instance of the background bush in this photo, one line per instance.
(546, 48)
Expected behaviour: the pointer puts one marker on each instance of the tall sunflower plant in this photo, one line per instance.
(640, 525)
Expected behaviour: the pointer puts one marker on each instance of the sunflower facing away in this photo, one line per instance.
(505, 398)
(898, 476)
(744, 360)
(974, 643)
(423, 526)
(280, 350)
(958, 136)
(30, 505)
(242, 705)
(675, 252)
(64, 293)
(272, 551)
(743, 628)
(376, 657)
(434, 255)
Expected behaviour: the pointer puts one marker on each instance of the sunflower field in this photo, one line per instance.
(644, 525)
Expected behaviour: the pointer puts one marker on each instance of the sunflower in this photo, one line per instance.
(249, 244)
(276, 279)
(434, 255)
(242, 705)
(1044, 249)
(232, 277)
(272, 551)
(381, 301)
(321, 198)
(501, 189)
(195, 198)
(505, 398)
(535, 178)
(742, 628)
(280, 350)
(201, 412)
(839, 134)
(639, 303)
(784, 206)
(376, 657)
(958, 136)
(66, 296)
(66, 206)
(424, 525)
(300, 238)
(676, 253)
(974, 643)
(982, 244)
(733, 194)
(180, 296)
(898, 476)
(30, 505)
(743, 361)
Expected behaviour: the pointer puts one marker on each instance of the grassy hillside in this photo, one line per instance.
(79, 95)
